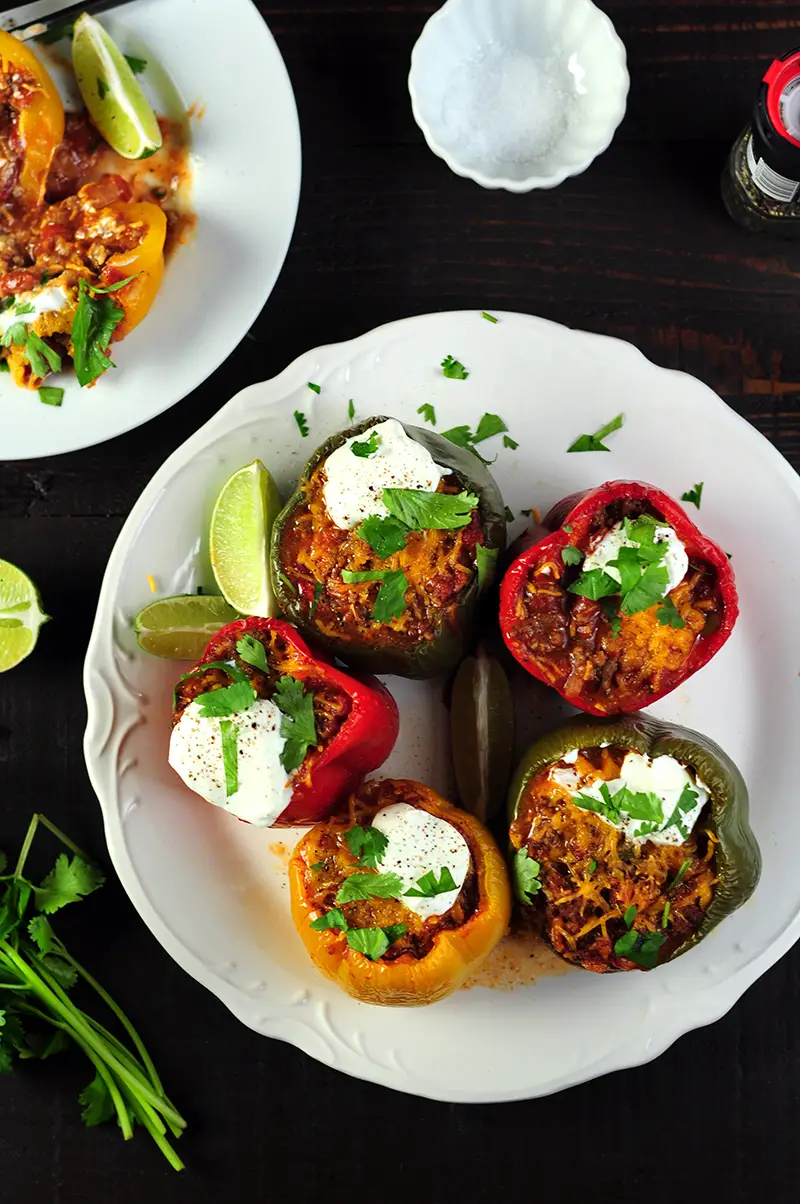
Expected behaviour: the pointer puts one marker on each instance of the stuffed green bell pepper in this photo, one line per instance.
(630, 840)
(382, 553)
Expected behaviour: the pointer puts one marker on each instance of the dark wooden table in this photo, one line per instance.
(638, 247)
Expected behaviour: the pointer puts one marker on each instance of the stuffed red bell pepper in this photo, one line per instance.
(272, 732)
(621, 602)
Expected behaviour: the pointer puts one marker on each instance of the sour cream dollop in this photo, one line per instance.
(44, 301)
(663, 776)
(675, 561)
(419, 843)
(354, 484)
(264, 787)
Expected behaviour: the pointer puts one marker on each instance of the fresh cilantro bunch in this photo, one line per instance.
(38, 1016)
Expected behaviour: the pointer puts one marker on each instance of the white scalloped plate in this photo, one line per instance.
(214, 892)
(245, 142)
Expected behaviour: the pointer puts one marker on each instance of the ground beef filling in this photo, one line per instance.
(438, 566)
(329, 861)
(331, 705)
(591, 874)
(572, 640)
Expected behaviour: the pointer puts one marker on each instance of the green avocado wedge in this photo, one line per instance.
(738, 854)
(454, 633)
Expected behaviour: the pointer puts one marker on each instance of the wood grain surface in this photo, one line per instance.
(640, 247)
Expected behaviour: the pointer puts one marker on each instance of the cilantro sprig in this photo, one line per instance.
(391, 600)
(367, 845)
(369, 886)
(37, 1016)
(96, 319)
(298, 727)
(252, 652)
(453, 369)
(590, 443)
(428, 413)
(640, 947)
(422, 510)
(526, 872)
(694, 494)
(641, 579)
(428, 886)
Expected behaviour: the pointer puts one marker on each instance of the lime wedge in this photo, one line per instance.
(482, 734)
(239, 539)
(116, 103)
(21, 615)
(180, 627)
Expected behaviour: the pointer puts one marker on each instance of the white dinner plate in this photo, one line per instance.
(245, 142)
(214, 891)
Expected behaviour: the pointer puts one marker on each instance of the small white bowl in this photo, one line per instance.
(518, 94)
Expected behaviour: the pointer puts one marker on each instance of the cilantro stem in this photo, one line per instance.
(159, 1138)
(26, 845)
(37, 819)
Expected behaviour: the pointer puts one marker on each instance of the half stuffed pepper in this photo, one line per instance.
(631, 841)
(401, 900)
(623, 601)
(383, 551)
(273, 733)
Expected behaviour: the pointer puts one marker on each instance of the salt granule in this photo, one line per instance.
(505, 109)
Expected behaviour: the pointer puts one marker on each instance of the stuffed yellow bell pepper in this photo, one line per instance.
(402, 899)
(36, 123)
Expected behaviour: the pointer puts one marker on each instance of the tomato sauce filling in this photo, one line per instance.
(331, 705)
(583, 652)
(438, 566)
(592, 875)
(329, 862)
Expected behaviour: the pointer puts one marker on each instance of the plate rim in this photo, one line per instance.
(709, 1005)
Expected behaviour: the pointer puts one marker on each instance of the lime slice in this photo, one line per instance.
(180, 627)
(239, 539)
(116, 103)
(482, 734)
(21, 615)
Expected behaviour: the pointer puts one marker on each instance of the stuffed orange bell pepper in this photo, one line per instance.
(144, 262)
(37, 123)
(402, 899)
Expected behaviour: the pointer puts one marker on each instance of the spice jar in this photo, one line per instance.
(761, 180)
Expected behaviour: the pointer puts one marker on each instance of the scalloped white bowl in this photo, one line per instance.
(478, 63)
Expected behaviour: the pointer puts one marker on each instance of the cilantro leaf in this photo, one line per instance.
(605, 806)
(51, 396)
(628, 567)
(509, 515)
(592, 866)
(252, 652)
(428, 413)
(372, 942)
(136, 65)
(70, 879)
(668, 615)
(369, 886)
(586, 443)
(424, 511)
(526, 876)
(314, 388)
(391, 600)
(486, 559)
(571, 555)
(230, 755)
(642, 805)
(298, 727)
(366, 447)
(95, 321)
(640, 947)
(594, 584)
(351, 410)
(427, 887)
(489, 317)
(367, 844)
(65, 975)
(97, 1105)
(384, 535)
(226, 701)
(15, 336)
(693, 495)
(648, 590)
(453, 369)
(393, 932)
(460, 435)
(300, 419)
(630, 915)
(42, 359)
(24, 307)
(41, 933)
(112, 288)
(509, 442)
(490, 424)
(332, 919)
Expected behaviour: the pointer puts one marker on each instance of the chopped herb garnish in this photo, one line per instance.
(102, 88)
(112, 288)
(489, 317)
(610, 608)
(23, 307)
(525, 513)
(332, 919)
(369, 886)
(391, 600)
(665, 916)
(367, 845)
(95, 321)
(314, 388)
(302, 423)
(318, 865)
(680, 874)
(230, 755)
(668, 614)
(5, 366)
(587, 443)
(421, 510)
(252, 652)
(384, 535)
(319, 589)
(50, 396)
(630, 915)
(693, 495)
(509, 515)
(42, 358)
(526, 876)
(648, 590)
(592, 866)
(453, 369)
(372, 942)
(640, 947)
(594, 584)
(55, 33)
(351, 410)
(226, 701)
(567, 528)
(15, 336)
(571, 555)
(486, 559)
(428, 886)
(287, 581)
(136, 65)
(509, 442)
(366, 447)
(298, 728)
(428, 413)
(490, 424)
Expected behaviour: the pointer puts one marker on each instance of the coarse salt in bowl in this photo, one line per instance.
(518, 94)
